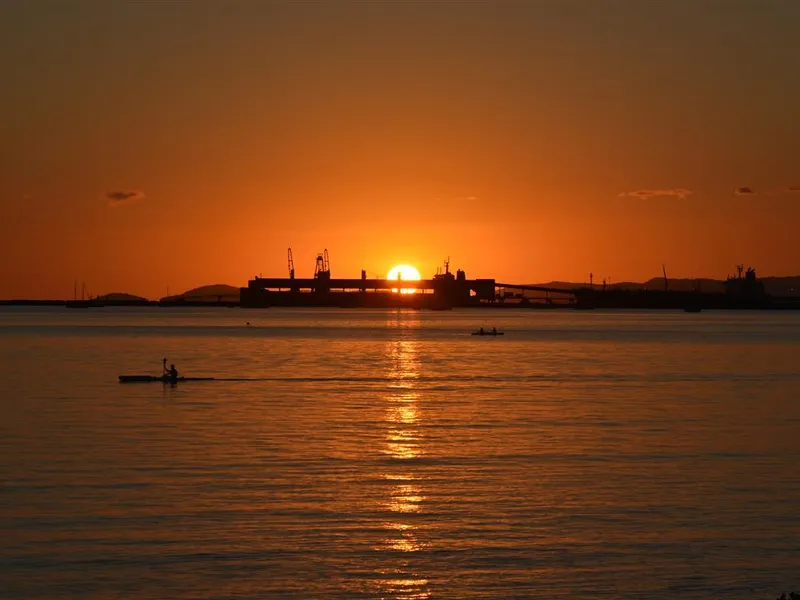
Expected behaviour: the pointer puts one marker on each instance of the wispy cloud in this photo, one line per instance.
(793, 189)
(744, 191)
(455, 198)
(647, 194)
(119, 197)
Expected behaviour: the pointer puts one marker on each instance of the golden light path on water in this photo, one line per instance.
(403, 444)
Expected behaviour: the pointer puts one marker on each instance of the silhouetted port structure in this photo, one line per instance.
(742, 291)
(444, 291)
(447, 290)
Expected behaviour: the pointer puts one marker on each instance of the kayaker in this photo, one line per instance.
(172, 372)
(494, 330)
(480, 331)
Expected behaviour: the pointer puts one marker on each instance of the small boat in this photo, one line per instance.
(161, 379)
(78, 303)
(83, 302)
(488, 333)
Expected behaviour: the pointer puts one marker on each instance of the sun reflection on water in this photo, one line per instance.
(405, 499)
(403, 443)
(404, 538)
(402, 438)
(403, 586)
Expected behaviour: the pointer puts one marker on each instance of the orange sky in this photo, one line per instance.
(523, 140)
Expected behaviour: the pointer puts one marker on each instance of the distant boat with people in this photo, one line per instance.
(491, 332)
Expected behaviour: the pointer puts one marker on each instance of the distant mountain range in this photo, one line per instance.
(207, 294)
(775, 286)
(227, 294)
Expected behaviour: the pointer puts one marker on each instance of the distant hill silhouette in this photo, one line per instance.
(775, 286)
(120, 297)
(208, 293)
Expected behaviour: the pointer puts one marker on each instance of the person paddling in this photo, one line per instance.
(172, 372)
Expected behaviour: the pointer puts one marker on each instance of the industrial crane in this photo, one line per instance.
(322, 269)
(322, 273)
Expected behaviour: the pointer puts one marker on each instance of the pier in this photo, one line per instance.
(444, 291)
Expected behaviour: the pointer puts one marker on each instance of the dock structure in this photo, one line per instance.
(444, 291)
(436, 293)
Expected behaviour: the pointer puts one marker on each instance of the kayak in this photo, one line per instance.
(162, 379)
(488, 333)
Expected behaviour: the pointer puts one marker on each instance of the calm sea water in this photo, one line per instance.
(390, 454)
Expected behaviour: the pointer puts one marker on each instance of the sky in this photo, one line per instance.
(148, 147)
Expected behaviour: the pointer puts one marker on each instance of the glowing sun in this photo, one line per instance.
(404, 272)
